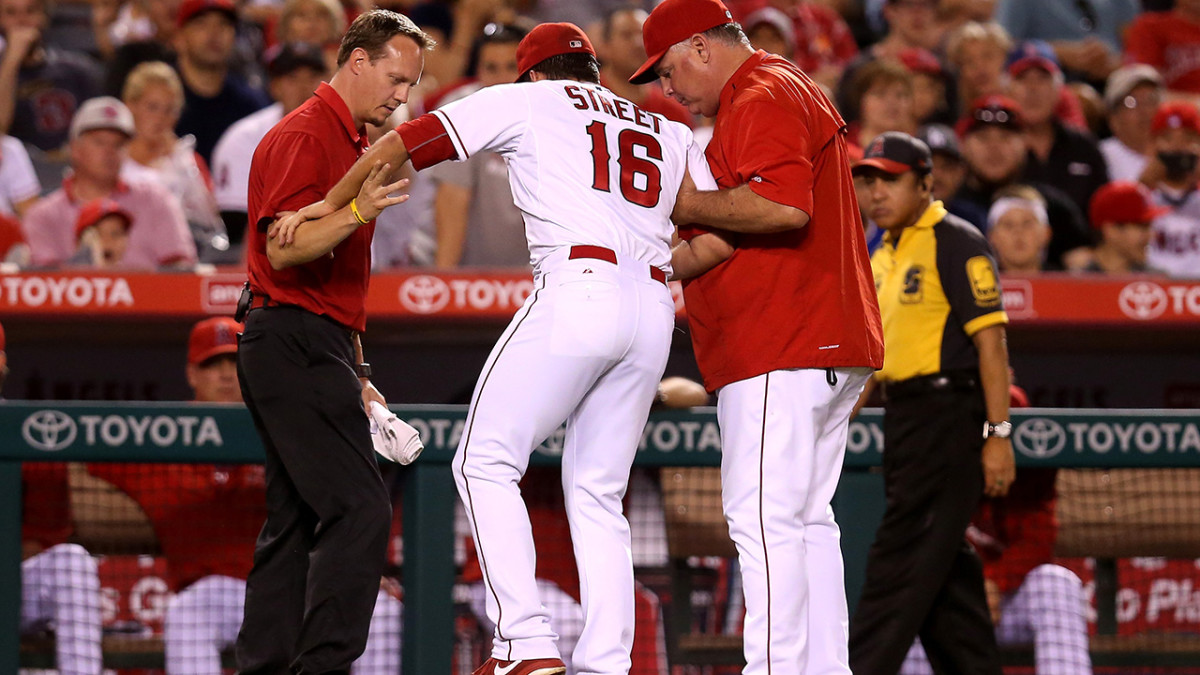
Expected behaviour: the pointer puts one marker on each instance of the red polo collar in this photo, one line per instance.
(740, 76)
(334, 100)
(68, 186)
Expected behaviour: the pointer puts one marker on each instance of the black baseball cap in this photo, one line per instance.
(941, 139)
(895, 152)
(289, 57)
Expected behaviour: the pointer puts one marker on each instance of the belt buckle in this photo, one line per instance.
(243, 303)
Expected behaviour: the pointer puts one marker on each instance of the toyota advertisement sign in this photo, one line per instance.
(211, 433)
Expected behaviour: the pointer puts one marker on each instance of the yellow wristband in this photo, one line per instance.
(357, 215)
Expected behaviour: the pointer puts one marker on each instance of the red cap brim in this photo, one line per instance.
(645, 74)
(886, 165)
(219, 350)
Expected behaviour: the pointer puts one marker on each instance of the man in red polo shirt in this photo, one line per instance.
(322, 550)
(784, 320)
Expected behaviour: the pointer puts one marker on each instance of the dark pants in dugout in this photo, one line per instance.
(922, 577)
(322, 551)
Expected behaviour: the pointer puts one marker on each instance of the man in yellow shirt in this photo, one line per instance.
(946, 429)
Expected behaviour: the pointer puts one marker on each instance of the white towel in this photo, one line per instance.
(393, 437)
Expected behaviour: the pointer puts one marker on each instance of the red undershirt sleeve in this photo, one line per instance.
(427, 140)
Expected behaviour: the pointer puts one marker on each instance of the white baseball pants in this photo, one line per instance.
(204, 618)
(1047, 611)
(588, 347)
(783, 437)
(60, 589)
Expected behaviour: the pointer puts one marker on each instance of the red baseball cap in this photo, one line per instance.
(551, 39)
(213, 337)
(918, 60)
(191, 8)
(1123, 201)
(1176, 115)
(673, 22)
(97, 210)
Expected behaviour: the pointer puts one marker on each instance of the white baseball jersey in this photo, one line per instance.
(589, 170)
(1175, 248)
(585, 166)
(18, 180)
(232, 155)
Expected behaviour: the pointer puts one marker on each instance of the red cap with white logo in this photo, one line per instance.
(551, 39)
(213, 337)
(1176, 115)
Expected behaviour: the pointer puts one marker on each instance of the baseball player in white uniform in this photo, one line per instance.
(596, 178)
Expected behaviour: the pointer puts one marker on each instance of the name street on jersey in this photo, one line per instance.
(586, 99)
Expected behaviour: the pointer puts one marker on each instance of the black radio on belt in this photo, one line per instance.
(243, 305)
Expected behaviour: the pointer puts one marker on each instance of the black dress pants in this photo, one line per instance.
(322, 551)
(922, 577)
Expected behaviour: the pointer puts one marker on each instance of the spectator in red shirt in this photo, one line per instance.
(1169, 41)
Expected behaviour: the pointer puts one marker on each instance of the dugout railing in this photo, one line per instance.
(136, 432)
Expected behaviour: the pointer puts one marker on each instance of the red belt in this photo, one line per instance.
(609, 255)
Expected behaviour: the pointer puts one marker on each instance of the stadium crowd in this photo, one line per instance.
(129, 126)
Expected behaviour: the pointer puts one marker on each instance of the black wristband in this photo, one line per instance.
(363, 370)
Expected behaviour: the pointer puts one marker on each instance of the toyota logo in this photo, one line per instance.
(48, 430)
(1143, 300)
(424, 294)
(1039, 438)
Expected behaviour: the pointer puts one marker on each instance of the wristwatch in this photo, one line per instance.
(363, 370)
(999, 429)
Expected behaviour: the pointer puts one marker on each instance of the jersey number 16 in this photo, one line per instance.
(629, 164)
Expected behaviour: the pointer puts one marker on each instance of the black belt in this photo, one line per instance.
(938, 383)
(251, 301)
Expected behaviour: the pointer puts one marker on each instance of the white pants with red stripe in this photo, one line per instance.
(783, 437)
(1047, 611)
(60, 590)
(588, 347)
(203, 620)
